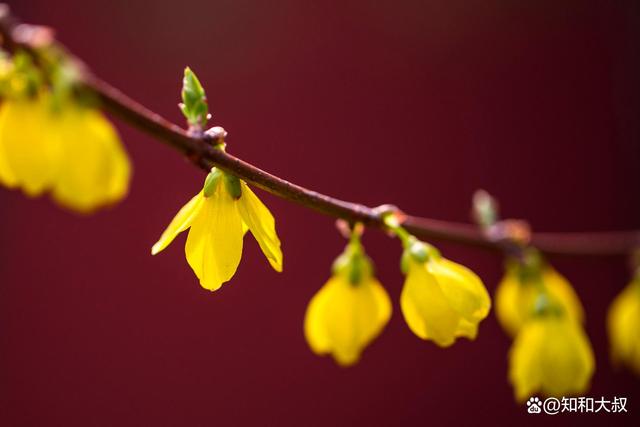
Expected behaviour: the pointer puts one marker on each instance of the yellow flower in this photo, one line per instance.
(623, 323)
(551, 355)
(72, 152)
(349, 311)
(29, 144)
(517, 292)
(94, 169)
(218, 217)
(441, 300)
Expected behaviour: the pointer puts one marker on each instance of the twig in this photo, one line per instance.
(199, 149)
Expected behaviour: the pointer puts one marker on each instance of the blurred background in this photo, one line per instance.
(417, 103)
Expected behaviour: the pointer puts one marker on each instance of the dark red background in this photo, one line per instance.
(415, 103)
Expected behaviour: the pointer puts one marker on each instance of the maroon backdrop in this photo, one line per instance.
(415, 103)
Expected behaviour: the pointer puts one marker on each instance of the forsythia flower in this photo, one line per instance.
(623, 323)
(94, 169)
(71, 151)
(29, 153)
(550, 355)
(349, 311)
(517, 292)
(219, 216)
(441, 300)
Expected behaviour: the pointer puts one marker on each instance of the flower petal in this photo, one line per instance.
(462, 288)
(524, 360)
(343, 318)
(560, 289)
(622, 324)
(354, 317)
(6, 176)
(30, 143)
(567, 361)
(467, 329)
(426, 309)
(509, 311)
(382, 301)
(183, 220)
(515, 297)
(214, 244)
(550, 355)
(262, 225)
(98, 177)
(315, 330)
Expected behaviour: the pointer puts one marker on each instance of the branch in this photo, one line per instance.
(199, 149)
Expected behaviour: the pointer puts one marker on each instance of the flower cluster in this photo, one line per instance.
(551, 354)
(440, 301)
(54, 142)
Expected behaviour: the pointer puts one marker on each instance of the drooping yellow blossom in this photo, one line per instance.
(517, 292)
(94, 170)
(349, 311)
(218, 217)
(441, 300)
(623, 323)
(551, 355)
(29, 144)
(71, 151)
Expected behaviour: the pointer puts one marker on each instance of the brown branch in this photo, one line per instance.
(198, 147)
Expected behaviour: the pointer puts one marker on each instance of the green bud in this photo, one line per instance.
(353, 262)
(194, 100)
(485, 208)
(211, 182)
(419, 251)
(21, 78)
(233, 185)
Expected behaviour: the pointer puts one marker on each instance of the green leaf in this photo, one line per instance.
(194, 100)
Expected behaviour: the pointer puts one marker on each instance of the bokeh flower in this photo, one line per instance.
(72, 152)
(551, 355)
(30, 145)
(53, 142)
(517, 292)
(349, 311)
(94, 169)
(623, 323)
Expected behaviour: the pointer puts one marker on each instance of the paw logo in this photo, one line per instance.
(533, 405)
